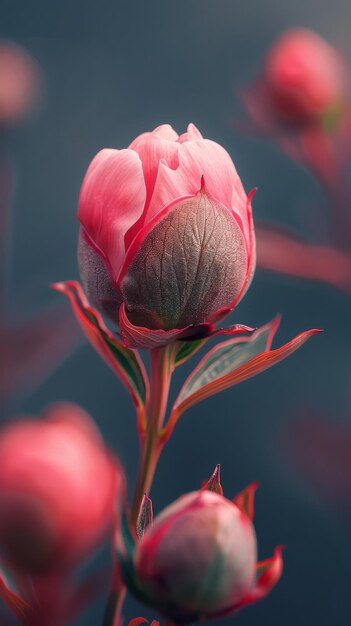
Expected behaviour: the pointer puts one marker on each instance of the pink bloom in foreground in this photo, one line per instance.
(166, 241)
(58, 487)
(198, 560)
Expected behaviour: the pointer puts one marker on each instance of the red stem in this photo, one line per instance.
(151, 445)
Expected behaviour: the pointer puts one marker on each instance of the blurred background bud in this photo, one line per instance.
(20, 83)
(306, 77)
(304, 82)
(58, 486)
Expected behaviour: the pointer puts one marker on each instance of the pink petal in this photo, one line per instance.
(192, 134)
(164, 131)
(151, 150)
(198, 159)
(152, 147)
(111, 200)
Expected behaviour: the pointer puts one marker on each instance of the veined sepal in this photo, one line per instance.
(214, 482)
(145, 517)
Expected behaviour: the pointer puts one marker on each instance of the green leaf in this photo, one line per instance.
(232, 362)
(187, 349)
(223, 359)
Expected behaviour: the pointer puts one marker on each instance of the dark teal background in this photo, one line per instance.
(112, 70)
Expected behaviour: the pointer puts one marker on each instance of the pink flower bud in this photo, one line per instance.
(198, 559)
(166, 243)
(307, 79)
(19, 83)
(58, 486)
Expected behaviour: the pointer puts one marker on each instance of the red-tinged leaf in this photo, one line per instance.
(232, 362)
(267, 575)
(17, 606)
(235, 329)
(145, 517)
(280, 251)
(245, 500)
(214, 483)
(125, 363)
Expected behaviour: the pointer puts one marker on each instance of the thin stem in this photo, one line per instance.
(150, 441)
(151, 445)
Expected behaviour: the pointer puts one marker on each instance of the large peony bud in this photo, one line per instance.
(167, 241)
(58, 486)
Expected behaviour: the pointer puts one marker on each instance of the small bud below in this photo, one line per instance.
(214, 483)
(145, 516)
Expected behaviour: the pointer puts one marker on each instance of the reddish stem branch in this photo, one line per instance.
(151, 445)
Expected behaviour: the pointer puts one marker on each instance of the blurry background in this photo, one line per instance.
(112, 69)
